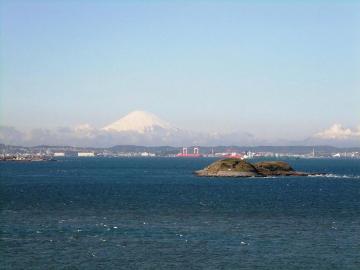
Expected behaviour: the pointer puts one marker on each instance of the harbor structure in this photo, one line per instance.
(184, 152)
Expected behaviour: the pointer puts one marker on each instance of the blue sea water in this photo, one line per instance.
(153, 213)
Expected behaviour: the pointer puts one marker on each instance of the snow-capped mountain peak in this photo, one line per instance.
(138, 121)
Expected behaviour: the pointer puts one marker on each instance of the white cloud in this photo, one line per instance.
(83, 127)
(10, 135)
(85, 130)
(337, 131)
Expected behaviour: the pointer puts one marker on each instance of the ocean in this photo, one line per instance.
(153, 213)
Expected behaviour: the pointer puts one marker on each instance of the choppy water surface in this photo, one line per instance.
(141, 213)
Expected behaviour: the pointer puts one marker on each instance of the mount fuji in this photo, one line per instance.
(141, 127)
(139, 122)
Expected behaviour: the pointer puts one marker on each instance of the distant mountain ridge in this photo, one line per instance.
(144, 128)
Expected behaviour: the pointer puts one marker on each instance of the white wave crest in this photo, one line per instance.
(332, 175)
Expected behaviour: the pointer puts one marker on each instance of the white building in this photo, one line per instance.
(59, 154)
(86, 154)
(146, 154)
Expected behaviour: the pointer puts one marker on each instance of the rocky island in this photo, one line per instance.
(234, 167)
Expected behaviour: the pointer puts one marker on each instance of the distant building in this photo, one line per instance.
(86, 154)
(147, 154)
(249, 154)
(234, 155)
(59, 154)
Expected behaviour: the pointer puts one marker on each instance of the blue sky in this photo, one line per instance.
(276, 68)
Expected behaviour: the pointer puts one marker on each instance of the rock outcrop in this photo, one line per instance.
(233, 167)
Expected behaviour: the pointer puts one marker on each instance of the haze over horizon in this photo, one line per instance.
(274, 72)
(147, 129)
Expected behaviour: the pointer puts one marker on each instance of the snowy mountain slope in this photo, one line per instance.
(138, 121)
